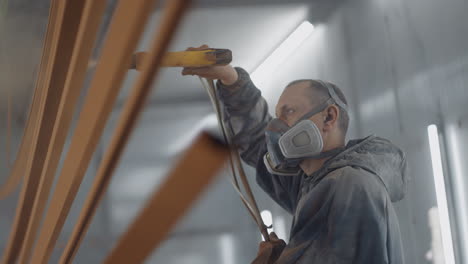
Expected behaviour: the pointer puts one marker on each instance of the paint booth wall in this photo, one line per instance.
(403, 65)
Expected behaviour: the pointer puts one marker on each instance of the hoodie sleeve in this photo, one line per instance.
(247, 112)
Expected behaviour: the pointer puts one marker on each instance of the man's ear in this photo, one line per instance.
(332, 115)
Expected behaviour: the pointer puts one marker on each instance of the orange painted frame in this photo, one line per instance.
(85, 39)
(125, 30)
(58, 46)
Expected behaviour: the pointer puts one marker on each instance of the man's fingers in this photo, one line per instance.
(204, 69)
(202, 47)
(186, 71)
(273, 235)
(201, 71)
(264, 245)
(189, 71)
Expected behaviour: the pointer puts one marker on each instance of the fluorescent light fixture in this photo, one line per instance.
(267, 218)
(441, 194)
(281, 53)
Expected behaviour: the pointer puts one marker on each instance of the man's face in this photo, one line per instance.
(294, 103)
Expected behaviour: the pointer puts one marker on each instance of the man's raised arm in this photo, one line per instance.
(247, 112)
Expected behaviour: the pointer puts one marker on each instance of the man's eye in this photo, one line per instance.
(290, 111)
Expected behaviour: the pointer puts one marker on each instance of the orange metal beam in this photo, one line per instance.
(127, 26)
(86, 37)
(58, 46)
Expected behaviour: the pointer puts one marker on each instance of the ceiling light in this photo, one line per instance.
(281, 53)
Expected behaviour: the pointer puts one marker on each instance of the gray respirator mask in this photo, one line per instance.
(288, 146)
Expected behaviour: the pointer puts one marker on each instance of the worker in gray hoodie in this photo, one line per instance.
(340, 195)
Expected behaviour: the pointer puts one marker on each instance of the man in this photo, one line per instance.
(340, 195)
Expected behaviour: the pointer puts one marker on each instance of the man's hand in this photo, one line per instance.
(226, 74)
(269, 252)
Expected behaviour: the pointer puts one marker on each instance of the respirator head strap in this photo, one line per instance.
(314, 111)
(334, 96)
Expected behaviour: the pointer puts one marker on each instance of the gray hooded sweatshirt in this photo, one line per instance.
(342, 213)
